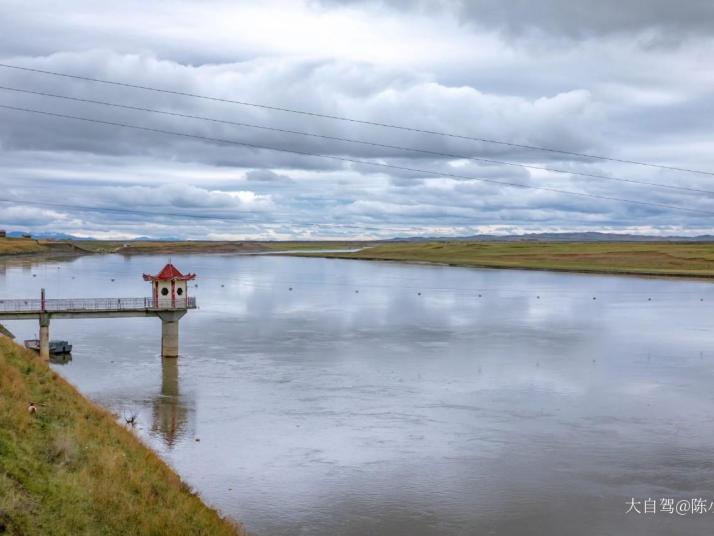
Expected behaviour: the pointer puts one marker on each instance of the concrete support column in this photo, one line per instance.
(170, 333)
(169, 338)
(45, 336)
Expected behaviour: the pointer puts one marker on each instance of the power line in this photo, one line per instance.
(185, 215)
(352, 140)
(122, 210)
(361, 162)
(294, 222)
(357, 121)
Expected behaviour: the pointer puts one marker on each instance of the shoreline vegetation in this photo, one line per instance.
(30, 247)
(661, 259)
(72, 469)
(664, 259)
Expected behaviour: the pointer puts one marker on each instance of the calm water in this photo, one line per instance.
(533, 409)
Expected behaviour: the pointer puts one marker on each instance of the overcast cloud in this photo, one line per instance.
(629, 79)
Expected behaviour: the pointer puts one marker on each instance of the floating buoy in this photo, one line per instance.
(479, 295)
(537, 297)
(34, 275)
(649, 299)
(356, 291)
(291, 288)
(222, 285)
(418, 293)
(112, 279)
(594, 298)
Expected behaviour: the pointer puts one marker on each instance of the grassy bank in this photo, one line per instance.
(20, 246)
(30, 246)
(200, 246)
(72, 470)
(691, 259)
(688, 259)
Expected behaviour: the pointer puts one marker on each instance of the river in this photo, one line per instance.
(334, 397)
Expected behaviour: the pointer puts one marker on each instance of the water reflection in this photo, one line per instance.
(60, 359)
(499, 402)
(170, 412)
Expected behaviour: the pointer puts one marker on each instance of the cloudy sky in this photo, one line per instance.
(627, 79)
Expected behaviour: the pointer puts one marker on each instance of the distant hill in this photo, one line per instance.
(564, 237)
(527, 237)
(43, 235)
(150, 239)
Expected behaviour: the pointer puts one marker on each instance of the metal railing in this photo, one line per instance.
(95, 304)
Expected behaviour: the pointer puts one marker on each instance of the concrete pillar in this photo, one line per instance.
(45, 336)
(169, 338)
(170, 332)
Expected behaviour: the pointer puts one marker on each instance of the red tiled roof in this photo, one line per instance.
(169, 272)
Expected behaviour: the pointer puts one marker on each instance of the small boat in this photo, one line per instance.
(56, 347)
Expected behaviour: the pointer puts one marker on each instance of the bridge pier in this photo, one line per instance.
(169, 301)
(45, 336)
(170, 332)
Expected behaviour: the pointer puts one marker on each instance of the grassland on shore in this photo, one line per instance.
(29, 246)
(201, 246)
(686, 259)
(71, 469)
(21, 246)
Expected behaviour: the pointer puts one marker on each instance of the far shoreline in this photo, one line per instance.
(648, 275)
(660, 259)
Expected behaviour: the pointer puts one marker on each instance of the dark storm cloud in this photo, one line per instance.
(570, 18)
(266, 175)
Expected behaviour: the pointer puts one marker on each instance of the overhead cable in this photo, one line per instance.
(356, 121)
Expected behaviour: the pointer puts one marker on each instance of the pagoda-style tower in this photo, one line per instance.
(169, 289)
(169, 297)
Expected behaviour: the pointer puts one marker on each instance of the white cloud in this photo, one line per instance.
(611, 86)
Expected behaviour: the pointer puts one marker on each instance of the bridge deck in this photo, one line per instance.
(92, 307)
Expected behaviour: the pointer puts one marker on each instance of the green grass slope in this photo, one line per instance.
(72, 470)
